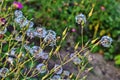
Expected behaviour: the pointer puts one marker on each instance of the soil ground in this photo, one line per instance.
(103, 70)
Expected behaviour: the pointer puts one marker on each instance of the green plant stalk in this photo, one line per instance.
(82, 36)
(52, 71)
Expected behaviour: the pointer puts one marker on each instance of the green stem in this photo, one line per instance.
(82, 36)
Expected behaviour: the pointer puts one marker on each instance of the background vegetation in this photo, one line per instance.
(103, 18)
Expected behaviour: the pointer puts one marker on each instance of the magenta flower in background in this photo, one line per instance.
(102, 8)
(1, 36)
(73, 30)
(2, 21)
(17, 5)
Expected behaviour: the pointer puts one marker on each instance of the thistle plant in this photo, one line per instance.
(81, 20)
(29, 51)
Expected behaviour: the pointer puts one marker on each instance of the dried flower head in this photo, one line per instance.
(106, 41)
(3, 31)
(3, 72)
(24, 23)
(66, 73)
(80, 19)
(76, 60)
(17, 5)
(42, 68)
(18, 38)
(31, 24)
(50, 38)
(58, 71)
(35, 50)
(72, 55)
(10, 60)
(20, 20)
(51, 32)
(56, 77)
(41, 55)
(44, 55)
(18, 13)
(30, 33)
(40, 32)
(12, 52)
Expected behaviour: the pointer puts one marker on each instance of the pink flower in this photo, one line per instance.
(17, 5)
(2, 21)
(102, 8)
(73, 30)
(1, 36)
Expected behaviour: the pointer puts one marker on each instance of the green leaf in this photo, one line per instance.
(5, 47)
(117, 62)
(117, 59)
(96, 49)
